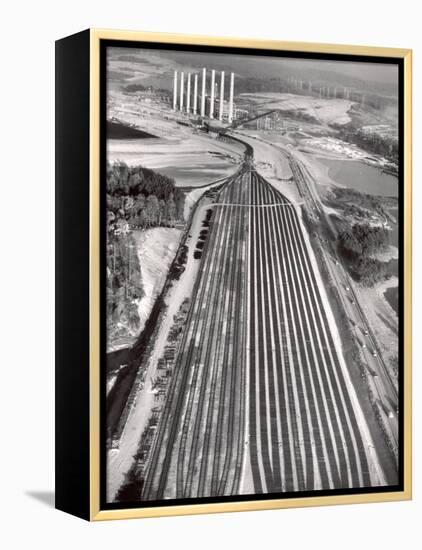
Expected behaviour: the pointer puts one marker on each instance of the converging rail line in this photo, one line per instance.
(272, 205)
(258, 315)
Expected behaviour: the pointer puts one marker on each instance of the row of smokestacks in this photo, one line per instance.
(187, 98)
(330, 92)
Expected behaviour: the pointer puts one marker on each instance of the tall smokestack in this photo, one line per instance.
(175, 91)
(188, 95)
(231, 98)
(212, 93)
(221, 96)
(195, 94)
(182, 84)
(204, 77)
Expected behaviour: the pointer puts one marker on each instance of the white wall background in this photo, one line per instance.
(27, 271)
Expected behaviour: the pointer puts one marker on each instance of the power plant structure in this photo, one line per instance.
(296, 85)
(211, 111)
(195, 94)
(186, 96)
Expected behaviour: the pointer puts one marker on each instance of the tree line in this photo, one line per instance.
(141, 198)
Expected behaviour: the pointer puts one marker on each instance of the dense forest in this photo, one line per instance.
(137, 198)
(357, 245)
(363, 240)
(141, 198)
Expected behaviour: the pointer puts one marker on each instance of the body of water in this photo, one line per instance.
(369, 179)
(362, 177)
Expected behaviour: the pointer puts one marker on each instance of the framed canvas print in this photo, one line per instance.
(233, 274)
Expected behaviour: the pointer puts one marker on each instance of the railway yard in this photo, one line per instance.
(256, 396)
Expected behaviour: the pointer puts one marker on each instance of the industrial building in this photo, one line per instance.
(190, 95)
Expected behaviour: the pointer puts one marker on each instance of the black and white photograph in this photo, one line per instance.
(210, 275)
(252, 273)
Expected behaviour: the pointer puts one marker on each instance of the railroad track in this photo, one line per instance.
(182, 486)
(174, 400)
(207, 360)
(257, 314)
(321, 435)
(234, 351)
(186, 384)
(302, 174)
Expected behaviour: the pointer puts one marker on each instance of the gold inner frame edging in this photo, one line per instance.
(96, 514)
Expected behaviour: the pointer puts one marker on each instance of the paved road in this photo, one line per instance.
(258, 373)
